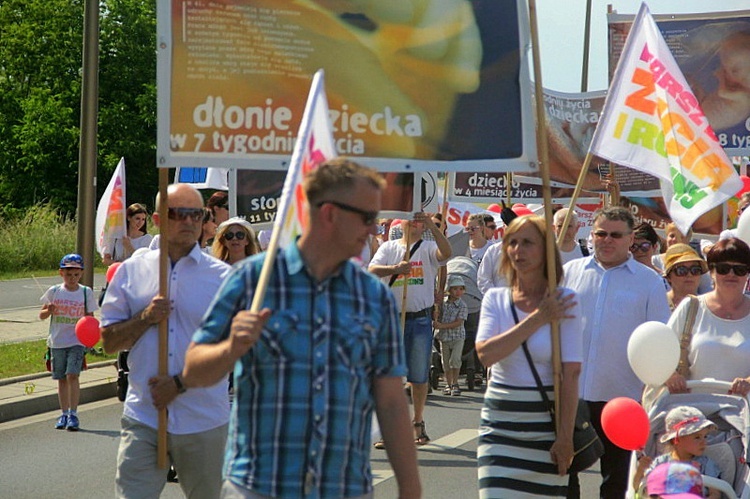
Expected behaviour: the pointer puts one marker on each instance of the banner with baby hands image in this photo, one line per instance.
(412, 85)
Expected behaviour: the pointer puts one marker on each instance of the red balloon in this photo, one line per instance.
(87, 331)
(625, 423)
(495, 208)
(111, 270)
(745, 185)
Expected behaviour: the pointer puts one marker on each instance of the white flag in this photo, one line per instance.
(110, 214)
(314, 146)
(652, 122)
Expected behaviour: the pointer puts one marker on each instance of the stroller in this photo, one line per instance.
(728, 446)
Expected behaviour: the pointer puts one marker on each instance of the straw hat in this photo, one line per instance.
(682, 253)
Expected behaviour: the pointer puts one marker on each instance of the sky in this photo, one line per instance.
(561, 25)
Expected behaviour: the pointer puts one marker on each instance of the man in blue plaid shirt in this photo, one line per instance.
(311, 366)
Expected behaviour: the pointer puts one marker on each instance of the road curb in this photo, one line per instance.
(46, 403)
(30, 403)
(31, 377)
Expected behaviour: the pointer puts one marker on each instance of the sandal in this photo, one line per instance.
(380, 444)
(422, 438)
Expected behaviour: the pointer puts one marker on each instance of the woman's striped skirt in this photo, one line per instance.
(514, 442)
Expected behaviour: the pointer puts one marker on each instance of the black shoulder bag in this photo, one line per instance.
(587, 447)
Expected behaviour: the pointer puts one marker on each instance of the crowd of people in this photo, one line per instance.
(326, 346)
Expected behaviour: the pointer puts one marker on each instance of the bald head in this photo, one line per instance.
(184, 192)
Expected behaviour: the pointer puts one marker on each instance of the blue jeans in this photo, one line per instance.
(418, 347)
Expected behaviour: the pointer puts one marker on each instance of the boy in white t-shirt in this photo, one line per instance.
(66, 304)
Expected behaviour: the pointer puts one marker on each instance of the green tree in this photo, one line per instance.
(40, 93)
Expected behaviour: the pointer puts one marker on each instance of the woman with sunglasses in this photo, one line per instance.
(720, 343)
(674, 236)
(234, 241)
(478, 244)
(683, 271)
(645, 245)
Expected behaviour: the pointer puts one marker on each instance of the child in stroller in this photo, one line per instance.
(687, 437)
(726, 446)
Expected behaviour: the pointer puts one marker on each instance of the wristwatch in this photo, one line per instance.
(178, 383)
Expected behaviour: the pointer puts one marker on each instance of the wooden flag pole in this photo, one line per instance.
(574, 197)
(541, 140)
(442, 270)
(161, 439)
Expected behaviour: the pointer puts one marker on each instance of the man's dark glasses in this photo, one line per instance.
(368, 217)
(603, 234)
(195, 214)
(240, 235)
(642, 247)
(683, 270)
(739, 269)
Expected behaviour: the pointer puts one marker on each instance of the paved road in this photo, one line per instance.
(25, 293)
(38, 461)
(19, 307)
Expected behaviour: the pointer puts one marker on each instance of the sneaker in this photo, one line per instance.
(73, 423)
(447, 390)
(455, 391)
(62, 422)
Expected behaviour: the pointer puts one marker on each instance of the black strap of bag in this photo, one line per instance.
(539, 384)
(587, 447)
(411, 254)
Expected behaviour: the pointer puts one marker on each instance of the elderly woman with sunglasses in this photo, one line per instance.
(683, 270)
(234, 241)
(720, 343)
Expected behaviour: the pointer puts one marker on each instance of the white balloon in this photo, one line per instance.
(743, 226)
(653, 352)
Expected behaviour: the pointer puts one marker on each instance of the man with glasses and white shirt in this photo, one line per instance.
(616, 295)
(197, 418)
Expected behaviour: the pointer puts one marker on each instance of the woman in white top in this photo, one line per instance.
(478, 244)
(120, 249)
(516, 423)
(720, 343)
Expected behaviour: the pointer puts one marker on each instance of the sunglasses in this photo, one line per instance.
(683, 270)
(740, 270)
(642, 247)
(602, 234)
(368, 217)
(491, 227)
(240, 235)
(470, 228)
(179, 214)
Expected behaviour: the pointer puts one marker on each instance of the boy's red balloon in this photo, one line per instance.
(111, 271)
(494, 208)
(625, 423)
(87, 331)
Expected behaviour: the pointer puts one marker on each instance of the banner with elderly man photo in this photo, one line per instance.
(653, 122)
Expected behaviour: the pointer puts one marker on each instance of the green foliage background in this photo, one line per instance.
(40, 100)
